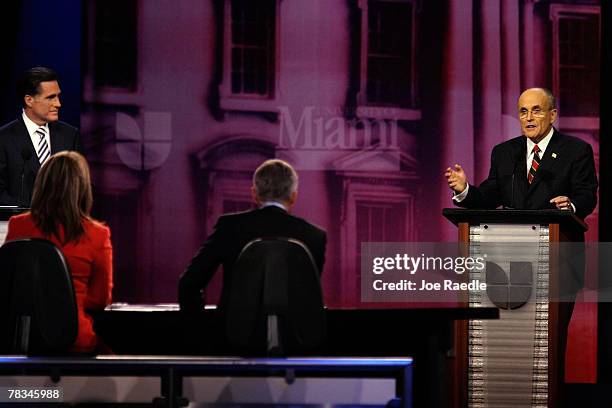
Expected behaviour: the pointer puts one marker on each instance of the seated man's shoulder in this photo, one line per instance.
(308, 225)
(273, 215)
(234, 219)
(236, 216)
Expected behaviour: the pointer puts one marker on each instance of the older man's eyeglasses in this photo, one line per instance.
(536, 112)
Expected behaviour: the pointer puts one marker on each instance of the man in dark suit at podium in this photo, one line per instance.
(275, 192)
(540, 169)
(27, 142)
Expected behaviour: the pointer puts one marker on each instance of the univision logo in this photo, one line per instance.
(143, 150)
(509, 290)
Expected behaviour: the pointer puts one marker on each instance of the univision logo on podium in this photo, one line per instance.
(509, 290)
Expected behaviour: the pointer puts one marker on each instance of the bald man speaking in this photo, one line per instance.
(542, 169)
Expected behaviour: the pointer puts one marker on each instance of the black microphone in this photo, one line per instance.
(26, 155)
(511, 206)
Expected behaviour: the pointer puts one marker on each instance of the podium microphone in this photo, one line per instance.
(26, 155)
(511, 206)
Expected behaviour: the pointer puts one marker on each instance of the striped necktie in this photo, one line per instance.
(535, 164)
(42, 150)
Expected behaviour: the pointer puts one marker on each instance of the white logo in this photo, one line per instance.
(144, 150)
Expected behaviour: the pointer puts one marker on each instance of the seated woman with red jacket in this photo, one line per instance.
(61, 204)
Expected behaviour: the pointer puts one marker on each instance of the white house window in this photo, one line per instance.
(380, 221)
(374, 209)
(252, 42)
(231, 193)
(387, 73)
(250, 55)
(112, 52)
(576, 59)
(115, 44)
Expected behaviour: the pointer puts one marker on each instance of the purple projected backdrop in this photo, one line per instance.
(369, 99)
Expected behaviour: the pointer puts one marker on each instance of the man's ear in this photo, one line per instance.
(256, 199)
(293, 198)
(28, 99)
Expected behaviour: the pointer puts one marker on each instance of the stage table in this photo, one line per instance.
(425, 334)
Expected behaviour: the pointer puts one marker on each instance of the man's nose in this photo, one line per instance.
(58, 104)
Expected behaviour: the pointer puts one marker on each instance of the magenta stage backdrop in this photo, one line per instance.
(369, 99)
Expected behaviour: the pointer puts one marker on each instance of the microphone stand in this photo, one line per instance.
(511, 206)
(26, 154)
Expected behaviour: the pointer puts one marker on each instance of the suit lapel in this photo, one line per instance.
(548, 162)
(57, 140)
(522, 186)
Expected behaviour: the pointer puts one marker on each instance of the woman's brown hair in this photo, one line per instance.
(62, 196)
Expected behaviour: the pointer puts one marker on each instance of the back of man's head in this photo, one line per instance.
(31, 79)
(275, 180)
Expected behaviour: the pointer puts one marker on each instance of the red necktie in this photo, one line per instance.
(535, 164)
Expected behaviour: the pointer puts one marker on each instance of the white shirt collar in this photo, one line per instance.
(31, 126)
(542, 145)
(272, 203)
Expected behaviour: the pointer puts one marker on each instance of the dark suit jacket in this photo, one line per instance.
(571, 173)
(14, 138)
(231, 233)
(567, 169)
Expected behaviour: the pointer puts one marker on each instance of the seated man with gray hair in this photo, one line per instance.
(274, 191)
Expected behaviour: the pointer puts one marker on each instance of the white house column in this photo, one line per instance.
(457, 141)
(511, 59)
(491, 97)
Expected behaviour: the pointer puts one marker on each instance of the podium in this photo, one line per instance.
(7, 212)
(516, 360)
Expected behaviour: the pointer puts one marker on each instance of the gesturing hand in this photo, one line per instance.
(456, 179)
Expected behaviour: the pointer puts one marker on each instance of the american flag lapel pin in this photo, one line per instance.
(554, 155)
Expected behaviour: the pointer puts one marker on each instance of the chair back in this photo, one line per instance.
(38, 310)
(275, 299)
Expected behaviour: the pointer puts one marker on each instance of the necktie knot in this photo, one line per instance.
(536, 149)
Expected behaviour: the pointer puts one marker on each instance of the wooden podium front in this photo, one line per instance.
(516, 360)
